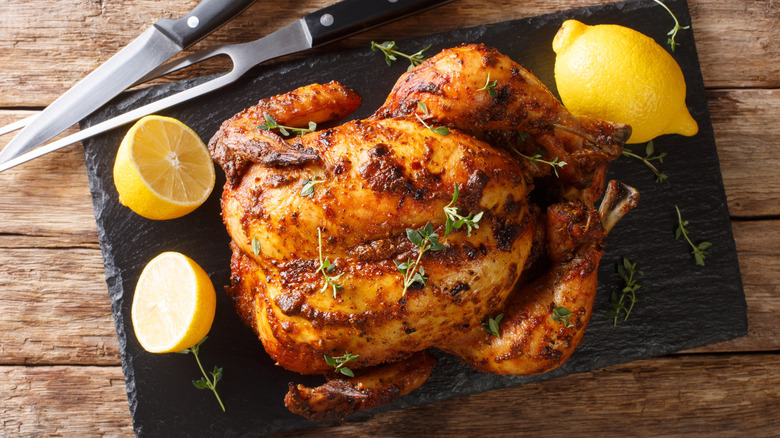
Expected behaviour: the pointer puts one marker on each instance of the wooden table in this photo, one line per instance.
(60, 372)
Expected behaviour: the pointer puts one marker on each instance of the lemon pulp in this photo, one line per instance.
(163, 170)
(174, 304)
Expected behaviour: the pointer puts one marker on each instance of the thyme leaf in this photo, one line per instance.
(562, 315)
(255, 245)
(270, 123)
(338, 363)
(325, 268)
(426, 240)
(205, 382)
(492, 324)
(455, 221)
(308, 186)
(672, 33)
(391, 52)
(699, 251)
(630, 274)
(648, 158)
(537, 158)
(490, 87)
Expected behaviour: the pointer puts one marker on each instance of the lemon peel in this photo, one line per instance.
(615, 73)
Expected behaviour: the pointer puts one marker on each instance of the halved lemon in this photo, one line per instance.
(174, 304)
(162, 169)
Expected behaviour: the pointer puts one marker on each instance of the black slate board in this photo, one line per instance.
(686, 305)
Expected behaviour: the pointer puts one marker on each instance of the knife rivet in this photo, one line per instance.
(193, 22)
(326, 19)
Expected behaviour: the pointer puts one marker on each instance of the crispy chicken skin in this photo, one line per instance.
(377, 386)
(368, 182)
(520, 115)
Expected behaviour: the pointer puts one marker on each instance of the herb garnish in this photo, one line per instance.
(308, 186)
(441, 130)
(205, 382)
(489, 87)
(425, 239)
(537, 158)
(562, 315)
(699, 251)
(649, 151)
(455, 220)
(672, 33)
(390, 49)
(326, 267)
(627, 271)
(492, 324)
(270, 123)
(338, 363)
(255, 245)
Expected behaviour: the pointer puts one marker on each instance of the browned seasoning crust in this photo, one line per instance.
(372, 180)
(378, 386)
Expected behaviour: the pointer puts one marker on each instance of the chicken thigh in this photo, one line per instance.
(326, 227)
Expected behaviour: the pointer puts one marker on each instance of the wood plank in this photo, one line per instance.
(757, 244)
(700, 395)
(40, 326)
(54, 190)
(748, 141)
(55, 308)
(48, 46)
(63, 402)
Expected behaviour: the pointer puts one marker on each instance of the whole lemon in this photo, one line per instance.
(615, 73)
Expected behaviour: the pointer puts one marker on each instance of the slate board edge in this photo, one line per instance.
(114, 276)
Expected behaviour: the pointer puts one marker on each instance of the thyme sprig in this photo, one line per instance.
(492, 324)
(308, 186)
(338, 363)
(490, 87)
(426, 240)
(391, 52)
(327, 267)
(562, 315)
(205, 382)
(537, 158)
(270, 123)
(630, 274)
(441, 130)
(672, 33)
(699, 251)
(649, 156)
(455, 220)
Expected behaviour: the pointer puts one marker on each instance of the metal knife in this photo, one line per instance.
(156, 45)
(318, 28)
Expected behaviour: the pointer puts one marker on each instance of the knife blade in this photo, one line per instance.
(326, 25)
(154, 46)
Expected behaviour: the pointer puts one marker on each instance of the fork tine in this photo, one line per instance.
(183, 62)
(19, 124)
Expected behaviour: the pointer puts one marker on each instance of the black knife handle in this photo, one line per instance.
(204, 19)
(346, 17)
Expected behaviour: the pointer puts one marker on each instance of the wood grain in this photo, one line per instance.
(62, 401)
(747, 147)
(48, 46)
(55, 321)
(699, 395)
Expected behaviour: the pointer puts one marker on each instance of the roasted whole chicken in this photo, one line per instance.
(359, 247)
